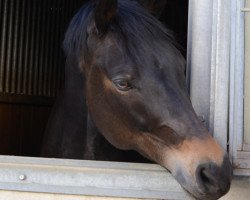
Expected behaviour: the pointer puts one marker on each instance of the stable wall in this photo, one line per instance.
(31, 69)
(32, 65)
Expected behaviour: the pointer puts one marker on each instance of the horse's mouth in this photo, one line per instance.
(202, 171)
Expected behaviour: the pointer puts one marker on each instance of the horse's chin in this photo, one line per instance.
(194, 191)
(199, 190)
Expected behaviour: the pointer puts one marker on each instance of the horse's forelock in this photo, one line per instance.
(141, 32)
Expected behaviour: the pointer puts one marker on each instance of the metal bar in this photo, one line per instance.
(199, 55)
(38, 39)
(42, 41)
(48, 47)
(15, 47)
(33, 30)
(220, 64)
(96, 178)
(26, 49)
(59, 55)
(247, 80)
(9, 48)
(236, 79)
(57, 48)
(4, 23)
(22, 31)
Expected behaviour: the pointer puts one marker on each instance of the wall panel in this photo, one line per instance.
(31, 69)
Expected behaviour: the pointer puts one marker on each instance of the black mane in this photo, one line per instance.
(141, 31)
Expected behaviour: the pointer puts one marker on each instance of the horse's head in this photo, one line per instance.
(137, 98)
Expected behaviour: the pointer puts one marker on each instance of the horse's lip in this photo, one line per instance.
(198, 195)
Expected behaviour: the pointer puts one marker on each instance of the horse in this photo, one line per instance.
(125, 92)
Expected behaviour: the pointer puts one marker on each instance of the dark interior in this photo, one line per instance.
(32, 65)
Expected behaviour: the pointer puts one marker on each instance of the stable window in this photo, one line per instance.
(31, 74)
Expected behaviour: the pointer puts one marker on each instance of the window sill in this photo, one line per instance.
(96, 178)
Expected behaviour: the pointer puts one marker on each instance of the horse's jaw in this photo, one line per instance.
(201, 166)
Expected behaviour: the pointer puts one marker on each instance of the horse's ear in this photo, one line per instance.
(155, 7)
(105, 12)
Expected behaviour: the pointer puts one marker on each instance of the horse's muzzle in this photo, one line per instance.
(213, 181)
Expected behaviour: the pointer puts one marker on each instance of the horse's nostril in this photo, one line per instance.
(206, 178)
(212, 179)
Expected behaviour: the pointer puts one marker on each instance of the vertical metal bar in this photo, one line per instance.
(38, 40)
(26, 49)
(59, 45)
(15, 47)
(42, 50)
(30, 63)
(21, 47)
(9, 39)
(47, 47)
(3, 43)
(199, 55)
(236, 78)
(247, 78)
(220, 64)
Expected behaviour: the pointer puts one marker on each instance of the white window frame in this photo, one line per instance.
(208, 63)
(214, 69)
(241, 158)
(216, 72)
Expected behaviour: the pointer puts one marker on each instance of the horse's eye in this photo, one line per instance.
(122, 85)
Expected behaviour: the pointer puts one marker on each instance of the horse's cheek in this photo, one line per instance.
(104, 116)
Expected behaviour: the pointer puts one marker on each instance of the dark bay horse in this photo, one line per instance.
(125, 84)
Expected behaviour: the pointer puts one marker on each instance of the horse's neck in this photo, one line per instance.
(65, 131)
(91, 136)
(97, 147)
